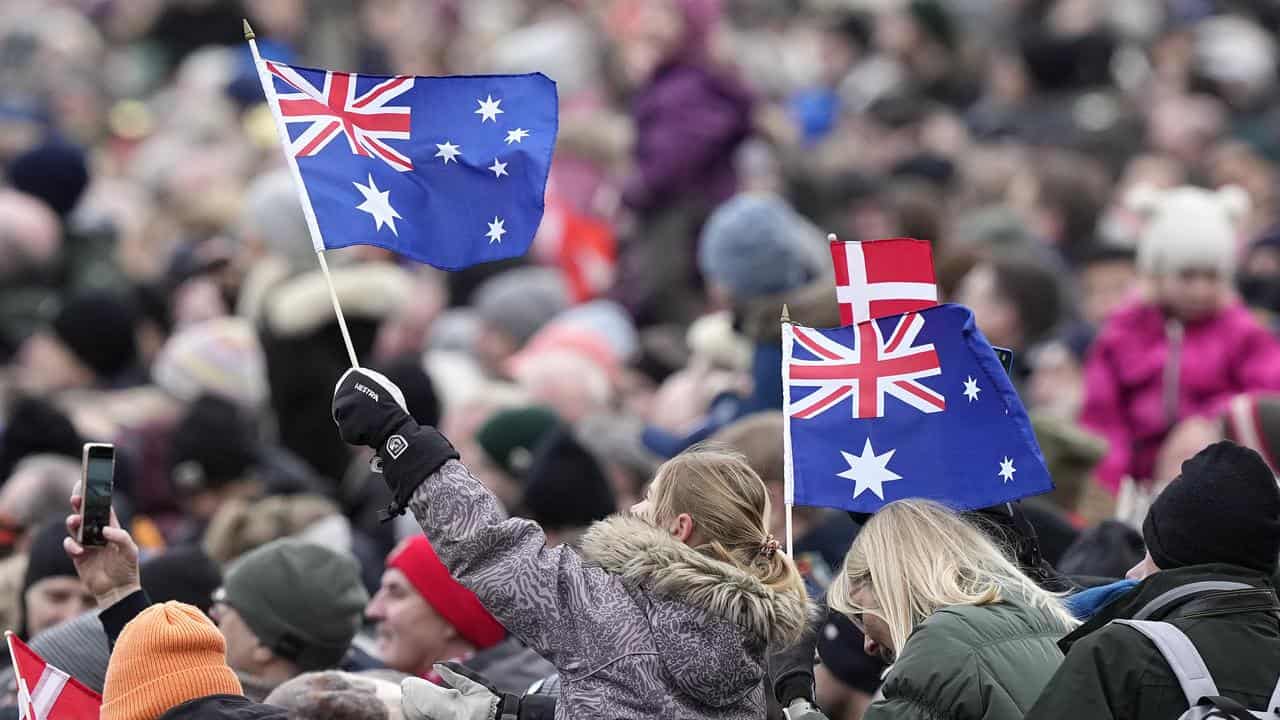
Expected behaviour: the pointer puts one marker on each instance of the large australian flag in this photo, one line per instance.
(448, 171)
(908, 406)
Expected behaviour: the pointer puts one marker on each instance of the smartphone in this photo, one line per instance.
(97, 479)
(1006, 358)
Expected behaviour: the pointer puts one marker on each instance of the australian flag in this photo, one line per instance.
(907, 406)
(448, 171)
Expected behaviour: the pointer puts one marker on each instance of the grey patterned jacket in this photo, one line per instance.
(638, 624)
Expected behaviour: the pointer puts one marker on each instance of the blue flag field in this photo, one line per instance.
(448, 171)
(912, 405)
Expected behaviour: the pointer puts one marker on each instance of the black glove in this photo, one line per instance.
(370, 410)
(792, 668)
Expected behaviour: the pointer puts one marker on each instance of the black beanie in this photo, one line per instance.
(98, 327)
(565, 486)
(1223, 508)
(34, 427)
(57, 172)
(183, 573)
(45, 559)
(213, 445)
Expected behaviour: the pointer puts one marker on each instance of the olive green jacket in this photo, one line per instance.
(967, 662)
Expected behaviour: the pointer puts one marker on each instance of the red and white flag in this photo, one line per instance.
(44, 691)
(879, 278)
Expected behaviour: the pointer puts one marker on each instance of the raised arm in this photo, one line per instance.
(536, 592)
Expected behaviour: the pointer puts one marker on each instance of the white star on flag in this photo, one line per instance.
(448, 151)
(378, 204)
(496, 231)
(489, 109)
(971, 389)
(869, 471)
(1007, 469)
(516, 135)
(498, 168)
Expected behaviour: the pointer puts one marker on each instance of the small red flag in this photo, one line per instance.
(879, 278)
(44, 691)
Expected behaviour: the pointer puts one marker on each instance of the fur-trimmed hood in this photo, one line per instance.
(711, 623)
(648, 558)
(369, 290)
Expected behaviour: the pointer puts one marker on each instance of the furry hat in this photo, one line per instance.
(1189, 227)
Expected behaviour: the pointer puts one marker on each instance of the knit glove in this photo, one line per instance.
(370, 410)
(468, 696)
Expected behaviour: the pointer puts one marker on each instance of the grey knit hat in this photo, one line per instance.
(302, 600)
(522, 300)
(77, 647)
(756, 244)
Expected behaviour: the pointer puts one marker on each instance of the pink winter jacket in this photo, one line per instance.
(1141, 378)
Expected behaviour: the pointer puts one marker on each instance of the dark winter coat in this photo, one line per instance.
(972, 662)
(224, 707)
(638, 624)
(1112, 671)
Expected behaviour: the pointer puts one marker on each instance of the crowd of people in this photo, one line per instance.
(556, 487)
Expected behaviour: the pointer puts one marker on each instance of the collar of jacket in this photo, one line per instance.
(650, 559)
(1127, 605)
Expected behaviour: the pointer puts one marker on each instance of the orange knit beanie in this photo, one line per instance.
(169, 654)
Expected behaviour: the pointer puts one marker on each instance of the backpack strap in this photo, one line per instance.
(1164, 600)
(1181, 654)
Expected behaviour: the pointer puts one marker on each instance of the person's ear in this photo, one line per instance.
(682, 527)
(262, 655)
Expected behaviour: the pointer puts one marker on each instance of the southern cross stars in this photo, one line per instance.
(496, 231)
(498, 169)
(971, 389)
(448, 151)
(489, 109)
(516, 135)
(378, 204)
(869, 471)
(1007, 469)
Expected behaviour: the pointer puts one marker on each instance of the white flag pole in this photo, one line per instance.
(788, 468)
(24, 692)
(269, 89)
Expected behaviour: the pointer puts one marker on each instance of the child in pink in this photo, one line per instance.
(1186, 345)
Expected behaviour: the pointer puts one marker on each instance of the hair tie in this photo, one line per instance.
(770, 546)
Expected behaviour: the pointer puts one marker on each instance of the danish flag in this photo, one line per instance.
(875, 367)
(335, 109)
(879, 278)
(44, 691)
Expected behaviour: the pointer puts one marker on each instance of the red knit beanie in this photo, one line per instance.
(459, 606)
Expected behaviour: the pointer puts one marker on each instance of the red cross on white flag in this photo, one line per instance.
(879, 278)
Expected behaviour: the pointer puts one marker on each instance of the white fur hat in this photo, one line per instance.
(1188, 227)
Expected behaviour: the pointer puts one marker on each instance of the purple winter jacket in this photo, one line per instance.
(689, 120)
(1146, 371)
(638, 624)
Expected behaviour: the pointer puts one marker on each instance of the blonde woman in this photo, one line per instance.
(667, 613)
(968, 635)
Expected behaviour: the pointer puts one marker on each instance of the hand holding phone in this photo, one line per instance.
(109, 572)
(97, 479)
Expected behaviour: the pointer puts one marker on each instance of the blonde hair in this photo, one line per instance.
(918, 557)
(730, 509)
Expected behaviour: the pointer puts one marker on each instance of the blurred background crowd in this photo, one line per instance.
(1098, 180)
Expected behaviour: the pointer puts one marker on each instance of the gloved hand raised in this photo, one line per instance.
(467, 697)
(370, 410)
